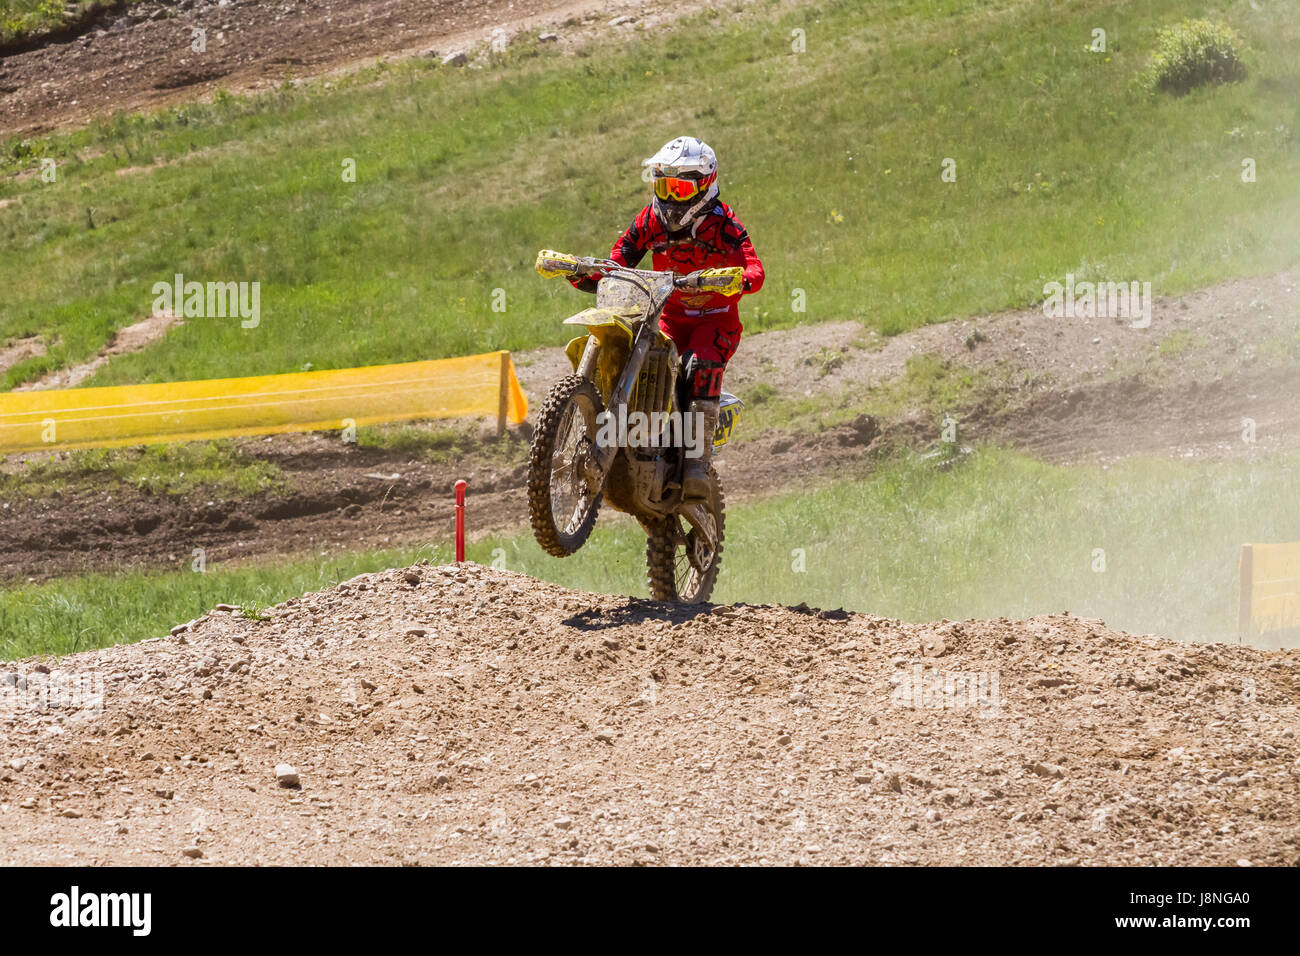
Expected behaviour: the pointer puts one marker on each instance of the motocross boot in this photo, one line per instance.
(695, 477)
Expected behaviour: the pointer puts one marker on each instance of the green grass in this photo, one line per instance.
(443, 443)
(929, 384)
(226, 469)
(22, 20)
(217, 467)
(1280, 347)
(996, 535)
(462, 174)
(1194, 53)
(1178, 343)
(79, 613)
(26, 17)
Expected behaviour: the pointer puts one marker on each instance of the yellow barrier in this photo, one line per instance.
(1270, 588)
(262, 405)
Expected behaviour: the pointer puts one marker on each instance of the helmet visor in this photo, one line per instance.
(671, 188)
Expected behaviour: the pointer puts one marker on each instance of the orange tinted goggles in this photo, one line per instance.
(669, 187)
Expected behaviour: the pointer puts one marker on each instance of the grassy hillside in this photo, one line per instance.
(832, 157)
(998, 535)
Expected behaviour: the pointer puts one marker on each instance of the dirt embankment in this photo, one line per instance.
(1066, 389)
(144, 55)
(461, 715)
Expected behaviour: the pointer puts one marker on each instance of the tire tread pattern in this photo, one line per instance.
(539, 469)
(660, 551)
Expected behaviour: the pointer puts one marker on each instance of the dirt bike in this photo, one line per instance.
(624, 364)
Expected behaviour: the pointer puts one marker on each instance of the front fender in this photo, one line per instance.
(574, 350)
(613, 332)
(599, 318)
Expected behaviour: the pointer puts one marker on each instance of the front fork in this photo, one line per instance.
(587, 364)
(622, 391)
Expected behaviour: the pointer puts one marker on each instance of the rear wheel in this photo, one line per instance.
(682, 567)
(561, 502)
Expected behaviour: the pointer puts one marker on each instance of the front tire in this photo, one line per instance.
(673, 576)
(561, 505)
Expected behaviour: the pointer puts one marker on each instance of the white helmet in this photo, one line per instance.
(685, 180)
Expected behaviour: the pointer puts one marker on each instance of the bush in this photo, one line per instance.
(1194, 53)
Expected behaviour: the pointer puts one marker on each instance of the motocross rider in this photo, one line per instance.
(686, 228)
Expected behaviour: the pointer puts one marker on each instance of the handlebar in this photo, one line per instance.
(728, 281)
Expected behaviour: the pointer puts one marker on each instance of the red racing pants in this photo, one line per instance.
(711, 338)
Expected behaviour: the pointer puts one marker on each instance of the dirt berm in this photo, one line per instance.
(463, 715)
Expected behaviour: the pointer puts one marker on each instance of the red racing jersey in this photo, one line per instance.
(717, 239)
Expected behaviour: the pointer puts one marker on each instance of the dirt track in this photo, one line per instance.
(462, 715)
(1067, 390)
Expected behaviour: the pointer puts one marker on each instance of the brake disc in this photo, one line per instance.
(698, 551)
(586, 464)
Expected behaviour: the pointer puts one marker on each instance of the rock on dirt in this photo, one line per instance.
(519, 737)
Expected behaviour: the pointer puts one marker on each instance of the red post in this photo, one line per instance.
(460, 520)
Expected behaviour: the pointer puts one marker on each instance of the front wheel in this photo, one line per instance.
(682, 567)
(561, 500)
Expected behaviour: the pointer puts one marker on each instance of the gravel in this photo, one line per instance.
(507, 736)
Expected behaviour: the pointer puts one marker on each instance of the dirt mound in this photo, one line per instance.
(462, 715)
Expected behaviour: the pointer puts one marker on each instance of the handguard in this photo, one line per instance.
(552, 265)
(729, 281)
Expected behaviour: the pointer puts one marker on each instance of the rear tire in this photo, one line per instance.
(560, 506)
(672, 576)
